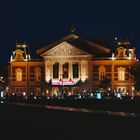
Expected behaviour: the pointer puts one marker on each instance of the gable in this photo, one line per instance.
(64, 49)
(19, 54)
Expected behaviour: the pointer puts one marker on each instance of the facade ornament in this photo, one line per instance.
(64, 49)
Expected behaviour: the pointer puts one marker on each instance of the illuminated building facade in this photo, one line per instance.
(70, 65)
(73, 59)
(26, 75)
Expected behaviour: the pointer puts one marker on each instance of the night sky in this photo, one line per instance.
(39, 22)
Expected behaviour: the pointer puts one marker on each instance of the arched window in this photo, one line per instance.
(18, 74)
(37, 74)
(102, 72)
(121, 74)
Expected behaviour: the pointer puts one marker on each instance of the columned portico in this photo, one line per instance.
(71, 61)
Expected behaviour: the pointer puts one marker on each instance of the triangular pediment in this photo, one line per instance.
(64, 49)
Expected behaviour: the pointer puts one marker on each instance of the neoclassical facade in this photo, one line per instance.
(70, 65)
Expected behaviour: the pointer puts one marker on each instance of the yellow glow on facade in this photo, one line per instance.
(84, 70)
(18, 74)
(65, 64)
(121, 74)
(130, 56)
(11, 58)
(83, 78)
(113, 56)
(37, 74)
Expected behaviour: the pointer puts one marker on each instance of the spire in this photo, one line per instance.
(72, 29)
(116, 40)
(22, 52)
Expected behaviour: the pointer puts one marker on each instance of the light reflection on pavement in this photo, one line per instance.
(82, 110)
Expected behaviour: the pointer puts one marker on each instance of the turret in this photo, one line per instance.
(125, 50)
(21, 53)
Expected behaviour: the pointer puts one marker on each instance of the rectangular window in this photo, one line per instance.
(19, 76)
(55, 70)
(75, 71)
(121, 75)
(65, 70)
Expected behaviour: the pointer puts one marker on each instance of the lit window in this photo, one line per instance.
(18, 74)
(121, 74)
(102, 72)
(37, 74)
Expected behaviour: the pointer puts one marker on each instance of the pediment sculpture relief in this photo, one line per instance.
(64, 49)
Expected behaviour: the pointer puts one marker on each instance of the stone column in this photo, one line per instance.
(51, 69)
(70, 70)
(47, 71)
(60, 69)
(80, 69)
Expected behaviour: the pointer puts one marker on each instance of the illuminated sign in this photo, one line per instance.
(63, 82)
(98, 95)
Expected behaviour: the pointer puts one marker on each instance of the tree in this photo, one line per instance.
(3, 77)
(135, 75)
(80, 84)
(105, 83)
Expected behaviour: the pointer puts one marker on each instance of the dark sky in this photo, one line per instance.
(39, 22)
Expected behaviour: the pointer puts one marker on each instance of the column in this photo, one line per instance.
(80, 70)
(51, 69)
(70, 70)
(60, 69)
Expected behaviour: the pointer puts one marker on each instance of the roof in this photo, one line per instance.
(80, 42)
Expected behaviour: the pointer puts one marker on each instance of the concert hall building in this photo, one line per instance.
(71, 65)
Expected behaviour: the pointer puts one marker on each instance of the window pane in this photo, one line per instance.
(121, 75)
(55, 70)
(19, 76)
(65, 70)
(75, 71)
